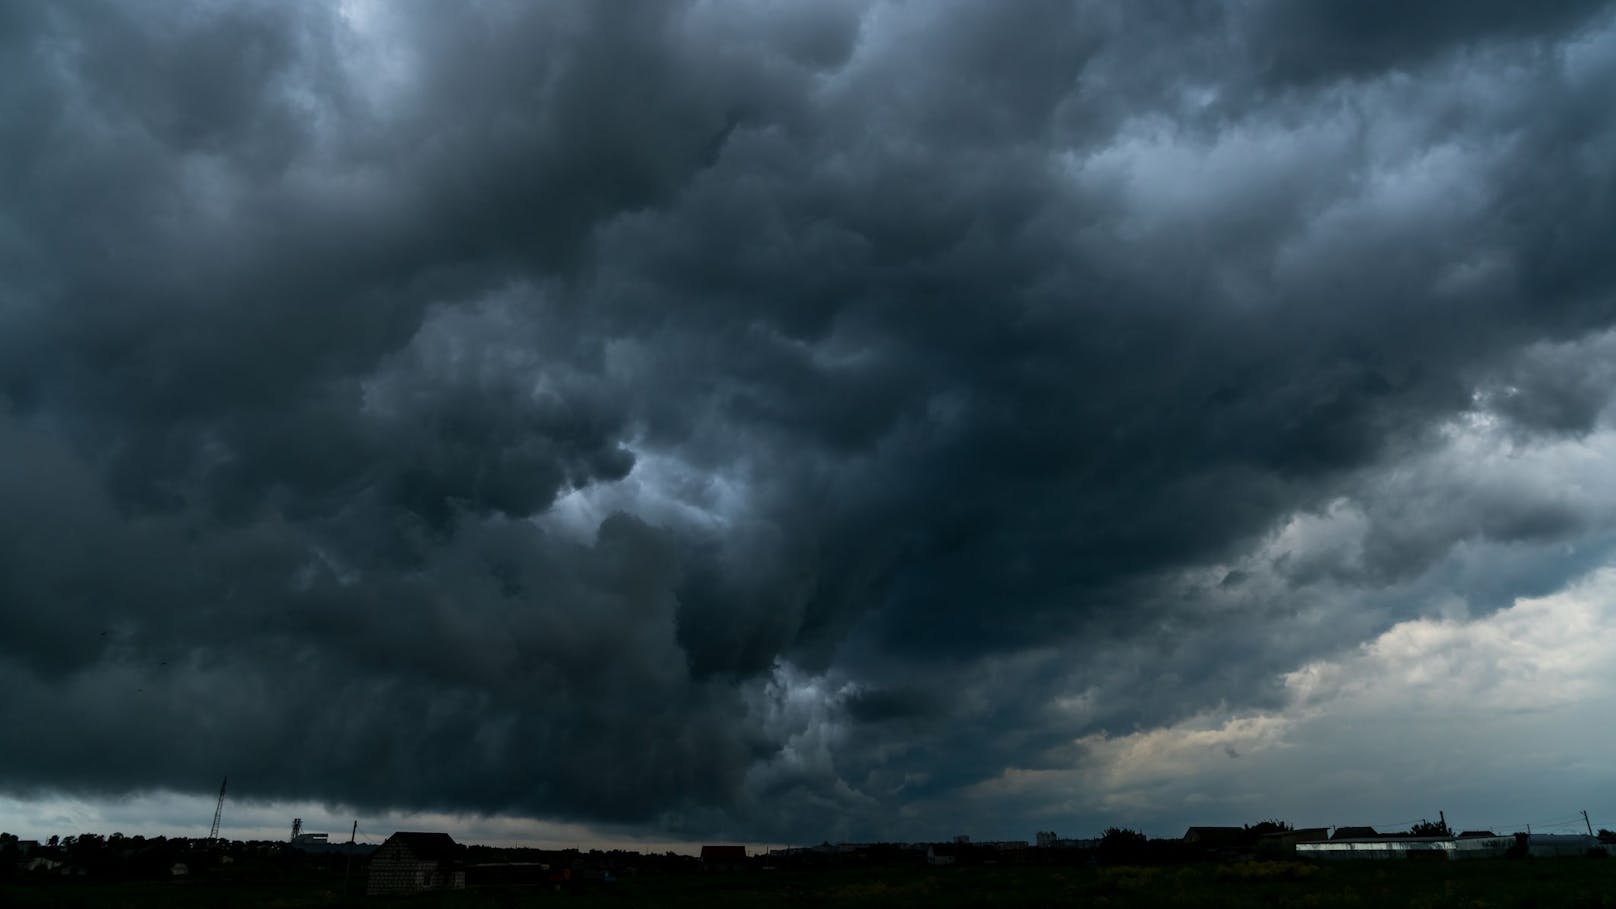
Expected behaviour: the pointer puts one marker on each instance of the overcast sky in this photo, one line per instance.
(776, 421)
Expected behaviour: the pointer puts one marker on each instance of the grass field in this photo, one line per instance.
(1472, 885)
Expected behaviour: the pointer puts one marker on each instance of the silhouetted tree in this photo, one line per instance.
(1431, 828)
(1122, 845)
(1123, 837)
(1268, 826)
(1607, 836)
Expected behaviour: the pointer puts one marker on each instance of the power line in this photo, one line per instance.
(1383, 826)
(1540, 825)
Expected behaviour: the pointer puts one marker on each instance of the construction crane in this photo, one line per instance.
(218, 812)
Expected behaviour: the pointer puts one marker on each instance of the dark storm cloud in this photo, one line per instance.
(1335, 38)
(754, 419)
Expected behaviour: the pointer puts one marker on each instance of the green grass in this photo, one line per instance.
(1579, 883)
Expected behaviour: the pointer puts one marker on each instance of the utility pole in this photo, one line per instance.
(347, 869)
(1444, 818)
(1587, 822)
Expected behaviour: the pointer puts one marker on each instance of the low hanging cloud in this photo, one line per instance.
(771, 422)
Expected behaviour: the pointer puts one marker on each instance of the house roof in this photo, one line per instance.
(1344, 833)
(723, 853)
(1215, 834)
(1300, 834)
(431, 846)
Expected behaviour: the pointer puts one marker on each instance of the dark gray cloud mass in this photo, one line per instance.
(751, 418)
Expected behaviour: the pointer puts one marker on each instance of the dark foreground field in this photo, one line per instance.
(1566, 882)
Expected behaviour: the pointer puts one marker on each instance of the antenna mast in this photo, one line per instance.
(218, 812)
(347, 866)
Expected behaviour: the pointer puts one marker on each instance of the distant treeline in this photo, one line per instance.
(117, 857)
(91, 856)
(94, 857)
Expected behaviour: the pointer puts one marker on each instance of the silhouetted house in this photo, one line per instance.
(723, 858)
(1217, 837)
(942, 854)
(1354, 833)
(1284, 841)
(1476, 834)
(414, 863)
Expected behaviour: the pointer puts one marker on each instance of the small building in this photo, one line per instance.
(723, 858)
(1217, 837)
(1438, 848)
(940, 854)
(415, 863)
(1354, 833)
(1475, 846)
(1285, 841)
(42, 864)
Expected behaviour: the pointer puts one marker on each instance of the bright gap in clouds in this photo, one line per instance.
(1401, 714)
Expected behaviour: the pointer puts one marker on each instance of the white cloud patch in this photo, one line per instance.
(1497, 720)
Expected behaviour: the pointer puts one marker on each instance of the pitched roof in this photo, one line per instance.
(723, 853)
(431, 846)
(1344, 833)
(1215, 835)
(1297, 834)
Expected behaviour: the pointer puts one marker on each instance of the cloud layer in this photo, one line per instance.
(765, 420)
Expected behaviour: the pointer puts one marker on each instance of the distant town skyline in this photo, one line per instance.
(168, 814)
